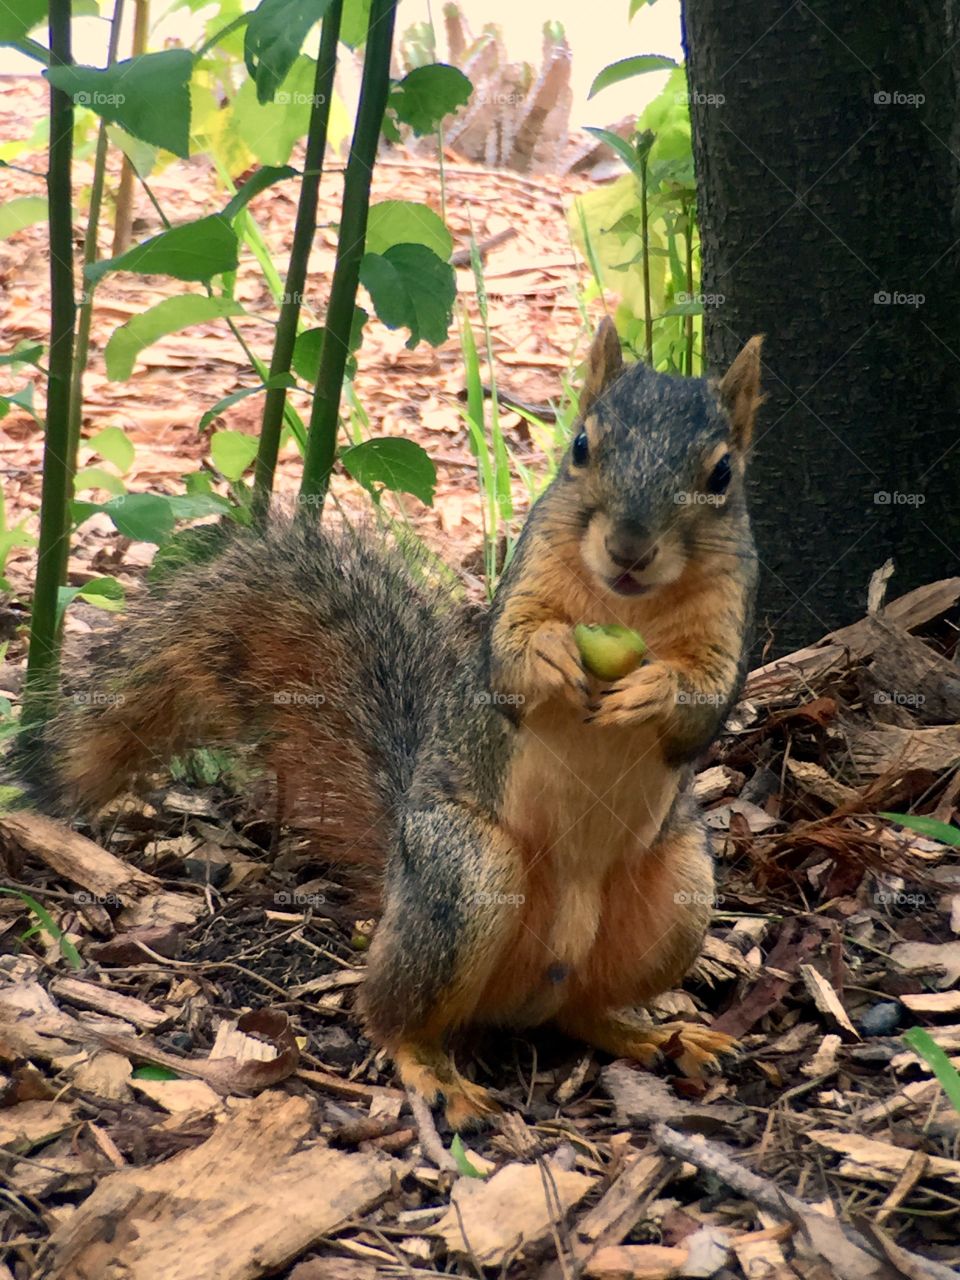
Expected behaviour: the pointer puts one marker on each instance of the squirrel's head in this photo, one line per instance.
(657, 464)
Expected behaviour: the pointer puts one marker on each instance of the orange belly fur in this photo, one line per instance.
(583, 808)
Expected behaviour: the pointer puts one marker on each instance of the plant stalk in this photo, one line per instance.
(303, 234)
(85, 314)
(645, 249)
(43, 660)
(123, 222)
(374, 88)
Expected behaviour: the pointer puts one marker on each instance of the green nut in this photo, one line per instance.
(609, 652)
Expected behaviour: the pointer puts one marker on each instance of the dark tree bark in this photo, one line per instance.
(827, 149)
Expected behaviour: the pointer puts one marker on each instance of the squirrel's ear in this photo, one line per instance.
(740, 393)
(604, 363)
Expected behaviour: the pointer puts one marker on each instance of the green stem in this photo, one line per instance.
(218, 35)
(43, 661)
(303, 234)
(32, 49)
(85, 318)
(645, 249)
(374, 88)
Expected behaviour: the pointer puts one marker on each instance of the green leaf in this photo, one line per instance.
(194, 251)
(149, 1071)
(929, 827)
(113, 445)
(685, 309)
(621, 146)
(464, 1164)
(20, 213)
(626, 68)
(141, 155)
(281, 380)
(271, 129)
(308, 348)
(149, 96)
(25, 352)
(232, 452)
(68, 950)
(411, 287)
(193, 506)
(98, 478)
(424, 97)
(391, 462)
(923, 1044)
(105, 593)
(19, 18)
(145, 517)
(354, 23)
(274, 36)
(406, 222)
(23, 399)
(263, 178)
(168, 316)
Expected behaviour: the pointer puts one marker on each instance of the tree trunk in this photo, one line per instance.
(826, 142)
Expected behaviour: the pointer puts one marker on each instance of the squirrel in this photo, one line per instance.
(542, 857)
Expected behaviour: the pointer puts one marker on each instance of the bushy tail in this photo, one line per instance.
(321, 646)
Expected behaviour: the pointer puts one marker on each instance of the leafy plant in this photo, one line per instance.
(164, 104)
(639, 234)
(46, 923)
(932, 828)
(464, 1164)
(923, 1044)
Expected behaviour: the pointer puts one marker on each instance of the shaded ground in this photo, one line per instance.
(281, 1145)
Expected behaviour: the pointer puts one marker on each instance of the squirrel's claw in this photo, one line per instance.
(556, 665)
(645, 694)
(695, 1048)
(433, 1074)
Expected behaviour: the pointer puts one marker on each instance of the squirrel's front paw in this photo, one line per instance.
(645, 694)
(554, 666)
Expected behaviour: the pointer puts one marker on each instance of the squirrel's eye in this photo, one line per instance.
(581, 449)
(720, 476)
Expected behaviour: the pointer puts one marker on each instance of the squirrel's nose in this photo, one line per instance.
(630, 551)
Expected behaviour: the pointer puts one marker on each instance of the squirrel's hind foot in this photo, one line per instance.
(694, 1048)
(433, 1074)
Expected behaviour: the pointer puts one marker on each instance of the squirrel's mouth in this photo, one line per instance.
(627, 585)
